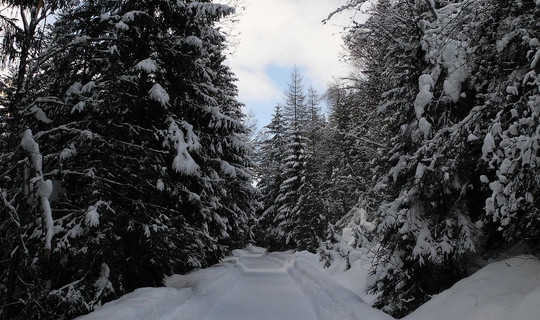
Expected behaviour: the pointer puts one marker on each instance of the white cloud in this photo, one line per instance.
(255, 85)
(285, 33)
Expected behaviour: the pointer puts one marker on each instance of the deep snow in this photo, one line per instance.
(253, 284)
(504, 290)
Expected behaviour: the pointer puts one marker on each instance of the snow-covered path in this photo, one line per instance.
(252, 284)
(266, 292)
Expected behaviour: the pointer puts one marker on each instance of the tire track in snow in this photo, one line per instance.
(330, 300)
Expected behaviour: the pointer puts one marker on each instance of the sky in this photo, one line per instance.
(271, 37)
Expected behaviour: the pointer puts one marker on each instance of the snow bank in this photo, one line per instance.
(144, 303)
(189, 295)
(208, 288)
(506, 290)
(357, 279)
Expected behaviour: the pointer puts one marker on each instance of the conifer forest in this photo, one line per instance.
(126, 156)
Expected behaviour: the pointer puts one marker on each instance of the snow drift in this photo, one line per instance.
(505, 290)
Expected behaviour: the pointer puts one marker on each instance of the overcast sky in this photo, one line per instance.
(274, 36)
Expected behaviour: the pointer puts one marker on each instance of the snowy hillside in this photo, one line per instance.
(255, 285)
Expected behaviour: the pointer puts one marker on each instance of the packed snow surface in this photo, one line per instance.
(265, 291)
(254, 284)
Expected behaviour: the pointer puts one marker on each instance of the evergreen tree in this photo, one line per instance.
(447, 124)
(137, 154)
(287, 203)
(295, 108)
(287, 200)
(270, 168)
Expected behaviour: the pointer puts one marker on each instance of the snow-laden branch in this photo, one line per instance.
(44, 187)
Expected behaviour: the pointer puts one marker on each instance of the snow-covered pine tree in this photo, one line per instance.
(507, 76)
(312, 217)
(287, 203)
(295, 109)
(270, 168)
(449, 100)
(138, 150)
(294, 161)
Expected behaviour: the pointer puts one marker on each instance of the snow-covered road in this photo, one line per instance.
(252, 284)
(265, 291)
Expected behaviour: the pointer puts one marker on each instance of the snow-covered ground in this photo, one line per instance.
(253, 284)
(504, 290)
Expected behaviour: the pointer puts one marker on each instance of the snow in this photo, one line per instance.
(535, 59)
(501, 44)
(68, 152)
(130, 16)
(79, 106)
(121, 25)
(251, 284)
(80, 40)
(265, 291)
(88, 87)
(449, 54)
(92, 217)
(420, 171)
(454, 60)
(484, 179)
(40, 114)
(424, 97)
(505, 290)
(183, 162)
(227, 169)
(44, 191)
(44, 187)
(424, 126)
(194, 41)
(29, 144)
(105, 16)
(512, 90)
(160, 185)
(147, 65)
(103, 283)
(254, 284)
(159, 94)
(489, 145)
(74, 89)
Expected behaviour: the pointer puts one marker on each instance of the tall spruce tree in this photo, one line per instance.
(286, 202)
(136, 155)
(270, 167)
